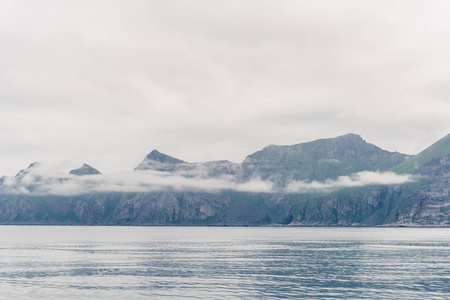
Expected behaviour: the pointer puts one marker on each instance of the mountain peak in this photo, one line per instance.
(351, 135)
(85, 169)
(162, 158)
(27, 170)
(156, 160)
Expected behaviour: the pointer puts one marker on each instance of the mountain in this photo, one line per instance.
(26, 180)
(157, 161)
(85, 170)
(157, 156)
(319, 160)
(423, 200)
(26, 171)
(438, 149)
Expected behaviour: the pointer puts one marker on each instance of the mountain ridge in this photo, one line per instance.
(320, 159)
(316, 160)
(423, 201)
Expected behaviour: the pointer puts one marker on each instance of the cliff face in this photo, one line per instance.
(428, 200)
(161, 208)
(423, 201)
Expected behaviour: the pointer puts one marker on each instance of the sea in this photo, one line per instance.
(94, 262)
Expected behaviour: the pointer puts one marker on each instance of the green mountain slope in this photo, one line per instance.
(319, 160)
(438, 149)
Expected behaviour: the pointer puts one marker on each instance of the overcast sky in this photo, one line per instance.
(105, 82)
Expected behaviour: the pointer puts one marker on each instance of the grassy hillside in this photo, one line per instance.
(319, 160)
(438, 149)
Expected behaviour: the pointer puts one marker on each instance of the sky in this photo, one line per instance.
(106, 82)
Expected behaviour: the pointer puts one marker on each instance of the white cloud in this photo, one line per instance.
(44, 181)
(357, 179)
(40, 180)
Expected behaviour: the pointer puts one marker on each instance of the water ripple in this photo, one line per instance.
(223, 263)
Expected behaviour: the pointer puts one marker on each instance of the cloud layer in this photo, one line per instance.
(357, 179)
(38, 180)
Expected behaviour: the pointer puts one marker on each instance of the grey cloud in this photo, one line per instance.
(109, 80)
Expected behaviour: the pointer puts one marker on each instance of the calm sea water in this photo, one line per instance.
(39, 262)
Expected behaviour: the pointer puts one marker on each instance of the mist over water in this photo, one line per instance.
(40, 262)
